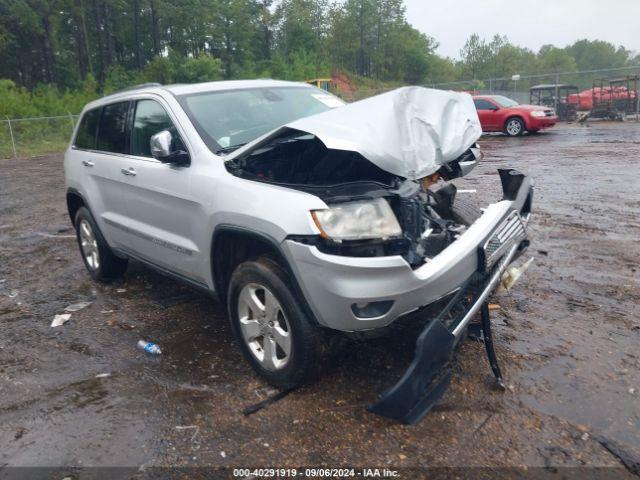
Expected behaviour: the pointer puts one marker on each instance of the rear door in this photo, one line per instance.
(162, 214)
(97, 167)
(111, 146)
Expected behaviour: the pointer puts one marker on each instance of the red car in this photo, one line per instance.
(501, 114)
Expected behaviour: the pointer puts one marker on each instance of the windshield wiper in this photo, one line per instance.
(230, 148)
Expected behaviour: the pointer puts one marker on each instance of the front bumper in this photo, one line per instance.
(333, 285)
(538, 123)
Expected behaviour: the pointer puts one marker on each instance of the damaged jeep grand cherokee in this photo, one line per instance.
(304, 215)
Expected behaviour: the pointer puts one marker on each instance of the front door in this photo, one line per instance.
(489, 115)
(162, 215)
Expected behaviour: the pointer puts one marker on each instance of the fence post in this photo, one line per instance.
(555, 96)
(491, 85)
(73, 124)
(13, 143)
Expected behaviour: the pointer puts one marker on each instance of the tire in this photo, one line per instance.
(263, 285)
(102, 264)
(514, 127)
(464, 212)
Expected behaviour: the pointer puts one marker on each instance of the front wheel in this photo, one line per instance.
(514, 127)
(275, 334)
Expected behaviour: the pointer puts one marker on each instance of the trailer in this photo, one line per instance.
(615, 98)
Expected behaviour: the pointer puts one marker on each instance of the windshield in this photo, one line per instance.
(228, 119)
(504, 101)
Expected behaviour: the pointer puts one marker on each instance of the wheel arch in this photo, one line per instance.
(75, 201)
(231, 245)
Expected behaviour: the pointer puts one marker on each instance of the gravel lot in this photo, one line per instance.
(567, 337)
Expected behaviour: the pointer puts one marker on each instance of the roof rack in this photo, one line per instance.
(137, 87)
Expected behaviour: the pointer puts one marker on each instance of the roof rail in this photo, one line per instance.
(136, 87)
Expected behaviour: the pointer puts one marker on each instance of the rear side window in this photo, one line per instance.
(112, 131)
(86, 136)
(150, 118)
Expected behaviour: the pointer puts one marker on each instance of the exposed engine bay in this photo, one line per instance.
(300, 160)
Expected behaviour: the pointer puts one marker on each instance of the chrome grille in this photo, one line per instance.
(510, 231)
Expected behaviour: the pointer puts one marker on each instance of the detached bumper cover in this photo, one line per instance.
(427, 378)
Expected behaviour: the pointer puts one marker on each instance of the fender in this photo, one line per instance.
(276, 247)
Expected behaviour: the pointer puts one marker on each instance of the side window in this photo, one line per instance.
(483, 104)
(86, 136)
(150, 118)
(112, 131)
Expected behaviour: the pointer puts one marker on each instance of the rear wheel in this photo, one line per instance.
(514, 127)
(103, 265)
(274, 332)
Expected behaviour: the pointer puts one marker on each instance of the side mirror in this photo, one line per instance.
(494, 108)
(162, 149)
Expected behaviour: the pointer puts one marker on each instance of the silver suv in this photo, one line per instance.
(305, 215)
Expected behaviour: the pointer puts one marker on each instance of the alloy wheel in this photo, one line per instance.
(514, 127)
(264, 326)
(89, 245)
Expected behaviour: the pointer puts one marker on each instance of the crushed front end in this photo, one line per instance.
(389, 241)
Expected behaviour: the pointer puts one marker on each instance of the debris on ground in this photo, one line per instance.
(149, 347)
(265, 403)
(121, 290)
(75, 307)
(189, 427)
(61, 319)
(50, 235)
(103, 375)
(512, 274)
(631, 463)
(20, 431)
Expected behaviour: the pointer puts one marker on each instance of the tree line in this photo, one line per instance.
(90, 46)
(62, 41)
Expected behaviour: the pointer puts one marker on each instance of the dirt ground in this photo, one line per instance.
(567, 337)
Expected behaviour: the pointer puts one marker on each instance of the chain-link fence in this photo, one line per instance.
(25, 137)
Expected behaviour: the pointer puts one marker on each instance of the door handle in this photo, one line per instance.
(130, 172)
(87, 163)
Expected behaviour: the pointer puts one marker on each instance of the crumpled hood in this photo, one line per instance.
(410, 132)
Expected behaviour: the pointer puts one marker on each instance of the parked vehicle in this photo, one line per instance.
(307, 217)
(502, 114)
(556, 97)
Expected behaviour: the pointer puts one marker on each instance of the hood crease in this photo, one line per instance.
(410, 132)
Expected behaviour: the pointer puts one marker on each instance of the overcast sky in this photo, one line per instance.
(528, 23)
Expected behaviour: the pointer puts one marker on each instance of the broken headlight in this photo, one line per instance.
(362, 220)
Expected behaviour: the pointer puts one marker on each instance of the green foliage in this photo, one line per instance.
(552, 59)
(72, 51)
